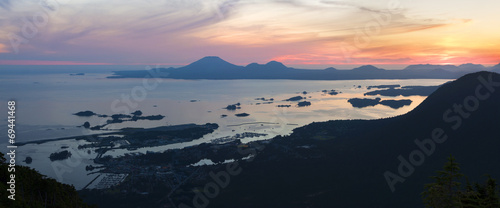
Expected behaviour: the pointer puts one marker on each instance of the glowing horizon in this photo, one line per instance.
(299, 32)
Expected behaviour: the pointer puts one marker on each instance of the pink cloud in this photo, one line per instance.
(40, 62)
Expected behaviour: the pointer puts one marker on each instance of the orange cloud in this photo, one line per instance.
(3, 48)
(397, 54)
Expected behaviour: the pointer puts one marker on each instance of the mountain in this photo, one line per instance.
(213, 67)
(430, 67)
(276, 65)
(463, 68)
(211, 63)
(210, 67)
(367, 68)
(270, 66)
(254, 66)
(469, 67)
(376, 163)
(495, 68)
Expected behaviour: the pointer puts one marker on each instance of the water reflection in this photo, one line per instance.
(46, 111)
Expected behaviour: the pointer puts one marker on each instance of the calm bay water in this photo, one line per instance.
(46, 102)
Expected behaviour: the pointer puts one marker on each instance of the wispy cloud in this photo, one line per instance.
(131, 31)
(80, 28)
(5, 4)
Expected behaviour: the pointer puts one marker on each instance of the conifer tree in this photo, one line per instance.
(470, 197)
(445, 191)
(491, 199)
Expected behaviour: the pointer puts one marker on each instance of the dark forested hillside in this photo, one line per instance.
(35, 190)
(377, 163)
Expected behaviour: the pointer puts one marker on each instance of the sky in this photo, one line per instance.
(295, 32)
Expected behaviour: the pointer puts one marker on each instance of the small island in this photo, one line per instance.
(304, 103)
(137, 113)
(264, 99)
(242, 114)
(363, 102)
(405, 91)
(85, 114)
(383, 86)
(28, 160)
(296, 98)
(233, 106)
(150, 118)
(330, 92)
(396, 103)
(60, 155)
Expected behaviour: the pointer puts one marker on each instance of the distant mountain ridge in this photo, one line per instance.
(468, 67)
(272, 65)
(496, 68)
(213, 67)
(368, 68)
(210, 62)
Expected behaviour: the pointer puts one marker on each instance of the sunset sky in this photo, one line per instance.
(295, 32)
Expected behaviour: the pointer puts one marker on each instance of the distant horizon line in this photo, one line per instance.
(310, 66)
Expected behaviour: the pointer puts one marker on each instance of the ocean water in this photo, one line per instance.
(46, 103)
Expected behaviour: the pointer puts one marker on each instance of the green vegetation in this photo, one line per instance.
(35, 190)
(447, 192)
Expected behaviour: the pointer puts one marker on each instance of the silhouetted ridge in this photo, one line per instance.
(464, 68)
(253, 65)
(430, 67)
(472, 67)
(330, 69)
(346, 160)
(276, 65)
(210, 62)
(210, 67)
(496, 68)
(368, 68)
(453, 92)
(213, 67)
(270, 66)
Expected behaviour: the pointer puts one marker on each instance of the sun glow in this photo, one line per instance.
(294, 32)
